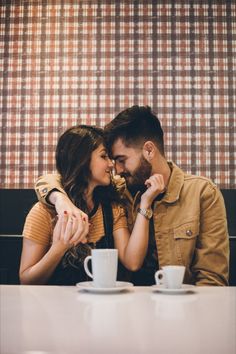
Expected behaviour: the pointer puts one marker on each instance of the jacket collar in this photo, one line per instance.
(175, 184)
(174, 187)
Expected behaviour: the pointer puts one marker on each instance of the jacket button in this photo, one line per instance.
(189, 233)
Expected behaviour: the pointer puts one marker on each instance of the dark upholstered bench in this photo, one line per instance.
(15, 204)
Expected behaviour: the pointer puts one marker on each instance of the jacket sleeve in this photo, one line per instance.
(211, 263)
(45, 185)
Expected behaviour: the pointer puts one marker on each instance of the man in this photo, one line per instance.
(188, 220)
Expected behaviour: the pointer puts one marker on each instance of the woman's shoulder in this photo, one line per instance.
(41, 210)
(118, 210)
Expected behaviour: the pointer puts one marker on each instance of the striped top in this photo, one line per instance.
(40, 222)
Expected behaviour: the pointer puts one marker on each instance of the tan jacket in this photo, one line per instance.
(190, 225)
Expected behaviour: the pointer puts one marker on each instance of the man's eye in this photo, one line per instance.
(121, 161)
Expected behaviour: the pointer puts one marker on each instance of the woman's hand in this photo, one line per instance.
(70, 231)
(155, 185)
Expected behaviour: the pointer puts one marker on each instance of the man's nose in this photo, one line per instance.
(119, 168)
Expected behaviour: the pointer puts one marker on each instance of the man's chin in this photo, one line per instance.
(129, 181)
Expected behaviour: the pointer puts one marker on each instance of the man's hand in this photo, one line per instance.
(66, 211)
(63, 203)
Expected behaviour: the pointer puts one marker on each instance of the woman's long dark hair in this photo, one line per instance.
(73, 156)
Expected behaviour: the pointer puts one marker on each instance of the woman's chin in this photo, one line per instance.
(104, 183)
(107, 182)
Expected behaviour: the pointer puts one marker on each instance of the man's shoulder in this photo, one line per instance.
(189, 178)
(199, 180)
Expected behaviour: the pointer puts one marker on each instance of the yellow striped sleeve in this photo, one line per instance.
(38, 225)
(119, 217)
(96, 230)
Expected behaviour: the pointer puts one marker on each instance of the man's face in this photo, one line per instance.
(130, 163)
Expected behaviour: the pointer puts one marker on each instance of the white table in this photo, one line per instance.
(64, 320)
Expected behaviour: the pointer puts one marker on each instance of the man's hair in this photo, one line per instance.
(134, 126)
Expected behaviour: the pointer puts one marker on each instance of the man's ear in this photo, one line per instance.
(149, 149)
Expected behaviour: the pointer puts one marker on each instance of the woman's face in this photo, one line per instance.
(100, 167)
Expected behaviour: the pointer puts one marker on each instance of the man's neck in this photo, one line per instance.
(161, 167)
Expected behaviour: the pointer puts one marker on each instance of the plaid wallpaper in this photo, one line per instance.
(64, 62)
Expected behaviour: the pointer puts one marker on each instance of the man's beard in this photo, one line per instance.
(136, 180)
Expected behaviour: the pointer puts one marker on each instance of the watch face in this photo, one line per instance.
(149, 213)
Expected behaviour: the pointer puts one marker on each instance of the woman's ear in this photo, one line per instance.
(149, 149)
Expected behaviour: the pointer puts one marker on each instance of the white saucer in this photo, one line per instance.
(88, 286)
(184, 289)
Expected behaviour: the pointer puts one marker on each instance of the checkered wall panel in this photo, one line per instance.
(64, 62)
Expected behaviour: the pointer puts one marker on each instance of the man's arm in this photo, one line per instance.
(45, 185)
(50, 192)
(211, 264)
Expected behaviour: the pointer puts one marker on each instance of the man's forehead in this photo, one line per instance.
(119, 148)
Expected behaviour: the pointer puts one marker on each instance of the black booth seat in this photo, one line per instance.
(15, 204)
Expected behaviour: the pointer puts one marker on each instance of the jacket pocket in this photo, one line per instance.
(185, 238)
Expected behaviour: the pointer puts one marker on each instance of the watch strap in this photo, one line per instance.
(147, 213)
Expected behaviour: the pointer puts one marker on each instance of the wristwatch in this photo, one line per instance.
(147, 213)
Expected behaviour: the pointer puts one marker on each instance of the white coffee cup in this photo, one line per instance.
(104, 267)
(170, 276)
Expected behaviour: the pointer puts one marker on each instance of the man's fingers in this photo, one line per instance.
(63, 203)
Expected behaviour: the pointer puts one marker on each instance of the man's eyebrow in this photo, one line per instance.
(118, 157)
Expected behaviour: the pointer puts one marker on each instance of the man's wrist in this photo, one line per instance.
(53, 195)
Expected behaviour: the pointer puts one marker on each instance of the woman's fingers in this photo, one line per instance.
(68, 231)
(57, 230)
(71, 230)
(155, 185)
(84, 236)
(64, 221)
(156, 182)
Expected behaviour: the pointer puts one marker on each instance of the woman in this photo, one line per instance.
(54, 247)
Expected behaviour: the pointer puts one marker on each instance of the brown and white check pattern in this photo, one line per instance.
(68, 62)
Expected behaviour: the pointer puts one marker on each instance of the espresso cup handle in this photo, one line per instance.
(160, 280)
(87, 259)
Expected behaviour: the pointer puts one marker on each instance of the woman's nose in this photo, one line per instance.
(110, 163)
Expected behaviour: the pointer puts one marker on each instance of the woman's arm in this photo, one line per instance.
(132, 248)
(38, 262)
